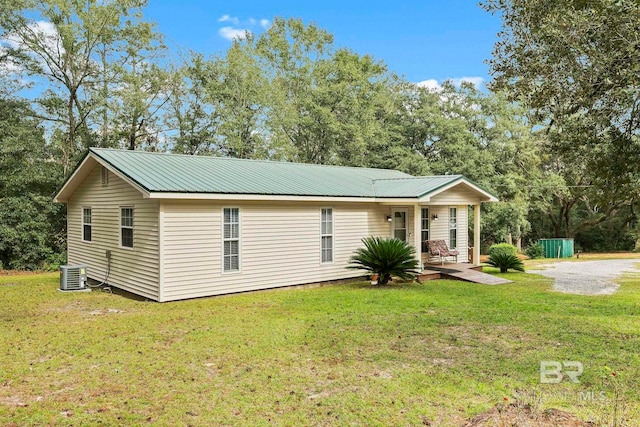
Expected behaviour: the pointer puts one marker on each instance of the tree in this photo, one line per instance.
(325, 103)
(461, 130)
(62, 42)
(576, 65)
(142, 97)
(189, 112)
(31, 227)
(288, 94)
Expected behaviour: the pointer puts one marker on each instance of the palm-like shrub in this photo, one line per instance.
(505, 261)
(386, 258)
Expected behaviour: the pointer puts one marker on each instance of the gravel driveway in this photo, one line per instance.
(588, 277)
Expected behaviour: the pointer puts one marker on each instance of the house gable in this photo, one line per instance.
(460, 192)
(84, 168)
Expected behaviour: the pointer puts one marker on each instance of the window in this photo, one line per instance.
(126, 227)
(424, 228)
(86, 224)
(400, 225)
(105, 176)
(453, 228)
(326, 234)
(231, 239)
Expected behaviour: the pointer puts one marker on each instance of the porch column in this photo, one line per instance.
(476, 234)
(417, 233)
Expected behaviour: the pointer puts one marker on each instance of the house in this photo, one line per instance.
(170, 227)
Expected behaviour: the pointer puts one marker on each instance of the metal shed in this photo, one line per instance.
(557, 248)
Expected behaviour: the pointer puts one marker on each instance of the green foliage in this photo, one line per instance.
(25, 232)
(505, 261)
(561, 158)
(386, 258)
(503, 248)
(30, 224)
(570, 63)
(535, 250)
(54, 261)
(91, 66)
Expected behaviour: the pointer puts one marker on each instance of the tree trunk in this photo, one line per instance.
(67, 152)
(105, 94)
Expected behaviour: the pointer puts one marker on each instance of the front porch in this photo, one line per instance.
(447, 221)
(460, 271)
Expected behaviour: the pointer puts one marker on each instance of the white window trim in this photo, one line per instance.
(133, 216)
(223, 240)
(332, 235)
(453, 228)
(422, 229)
(85, 223)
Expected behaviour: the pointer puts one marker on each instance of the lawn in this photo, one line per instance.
(435, 353)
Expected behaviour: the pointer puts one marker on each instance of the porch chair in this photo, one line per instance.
(438, 250)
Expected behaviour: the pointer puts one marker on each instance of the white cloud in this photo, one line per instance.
(233, 30)
(229, 18)
(231, 33)
(435, 85)
(478, 82)
(44, 32)
(431, 84)
(9, 67)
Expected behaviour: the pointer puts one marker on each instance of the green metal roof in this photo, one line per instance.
(171, 173)
(413, 186)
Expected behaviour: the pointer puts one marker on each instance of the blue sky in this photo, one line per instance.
(422, 40)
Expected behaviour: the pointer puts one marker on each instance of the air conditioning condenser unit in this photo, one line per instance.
(73, 277)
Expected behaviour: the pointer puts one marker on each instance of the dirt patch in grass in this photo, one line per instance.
(522, 415)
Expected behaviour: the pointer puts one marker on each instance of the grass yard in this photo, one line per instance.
(437, 353)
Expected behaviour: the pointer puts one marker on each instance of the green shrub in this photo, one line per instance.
(535, 250)
(505, 261)
(503, 248)
(54, 261)
(386, 258)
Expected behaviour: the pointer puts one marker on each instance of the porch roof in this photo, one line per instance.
(423, 187)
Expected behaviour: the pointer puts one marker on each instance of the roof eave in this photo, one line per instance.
(277, 197)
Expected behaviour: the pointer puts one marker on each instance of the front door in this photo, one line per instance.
(399, 224)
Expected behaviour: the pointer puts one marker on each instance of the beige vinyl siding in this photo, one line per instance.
(439, 230)
(458, 195)
(280, 245)
(133, 269)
